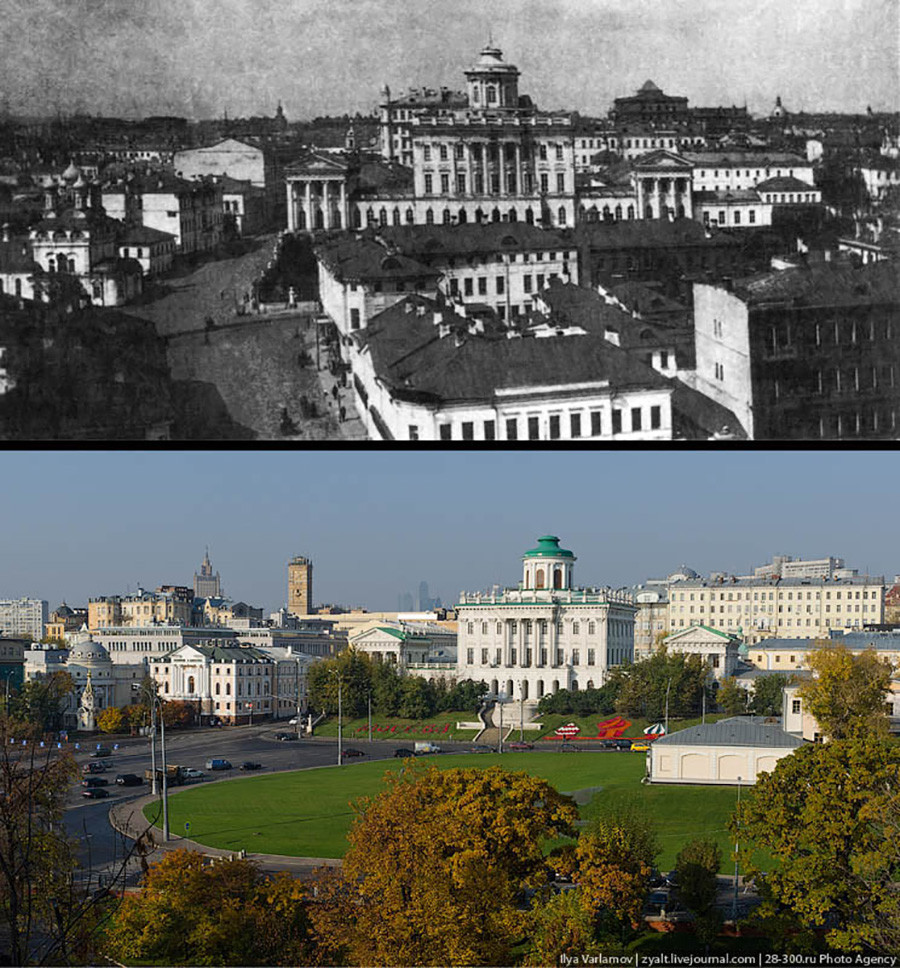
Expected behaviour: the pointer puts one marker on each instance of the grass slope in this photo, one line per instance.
(307, 813)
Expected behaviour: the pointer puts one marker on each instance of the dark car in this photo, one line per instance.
(352, 752)
(482, 749)
(95, 793)
(569, 748)
(101, 752)
(403, 753)
(129, 779)
(95, 781)
(95, 768)
(520, 745)
(250, 765)
(285, 737)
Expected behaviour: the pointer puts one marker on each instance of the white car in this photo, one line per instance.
(293, 722)
(194, 774)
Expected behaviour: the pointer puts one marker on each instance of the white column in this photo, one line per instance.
(519, 180)
(504, 186)
(326, 205)
(470, 174)
(307, 201)
(344, 212)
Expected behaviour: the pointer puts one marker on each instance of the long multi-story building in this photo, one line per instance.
(23, 617)
(808, 353)
(171, 606)
(762, 608)
(546, 634)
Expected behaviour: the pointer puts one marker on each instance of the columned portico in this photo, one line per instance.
(664, 184)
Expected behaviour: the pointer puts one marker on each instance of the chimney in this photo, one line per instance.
(6, 231)
(420, 310)
(438, 318)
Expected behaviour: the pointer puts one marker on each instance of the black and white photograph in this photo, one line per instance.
(546, 220)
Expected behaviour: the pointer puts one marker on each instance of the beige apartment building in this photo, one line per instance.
(171, 607)
(763, 608)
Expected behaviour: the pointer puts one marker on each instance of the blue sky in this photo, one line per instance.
(78, 525)
(199, 58)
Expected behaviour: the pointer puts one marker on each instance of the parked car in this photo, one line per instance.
(285, 737)
(294, 721)
(569, 748)
(95, 768)
(425, 748)
(218, 764)
(191, 774)
(520, 745)
(101, 752)
(95, 781)
(251, 765)
(95, 793)
(482, 749)
(403, 753)
(640, 747)
(352, 752)
(129, 779)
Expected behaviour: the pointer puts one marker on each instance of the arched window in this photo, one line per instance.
(462, 217)
(336, 218)
(446, 216)
(382, 216)
(429, 216)
(648, 211)
(618, 213)
(540, 688)
(556, 685)
(631, 211)
(218, 688)
(607, 214)
(557, 577)
(524, 689)
(495, 215)
(227, 688)
(513, 217)
(51, 264)
(479, 215)
(357, 218)
(529, 216)
(370, 216)
(561, 218)
(410, 218)
(18, 287)
(395, 217)
(191, 684)
(539, 578)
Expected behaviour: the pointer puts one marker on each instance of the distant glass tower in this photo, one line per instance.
(207, 584)
(405, 602)
(300, 586)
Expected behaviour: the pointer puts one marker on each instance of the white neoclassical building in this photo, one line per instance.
(546, 634)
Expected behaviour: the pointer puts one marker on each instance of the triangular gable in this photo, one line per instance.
(186, 652)
(702, 633)
(662, 159)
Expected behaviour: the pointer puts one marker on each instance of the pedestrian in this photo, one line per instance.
(334, 391)
(343, 414)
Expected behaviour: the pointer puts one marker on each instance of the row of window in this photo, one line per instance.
(478, 152)
(737, 217)
(493, 184)
(535, 428)
(761, 596)
(541, 659)
(541, 625)
(770, 608)
(530, 283)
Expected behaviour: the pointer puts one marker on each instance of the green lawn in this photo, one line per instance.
(307, 813)
(550, 721)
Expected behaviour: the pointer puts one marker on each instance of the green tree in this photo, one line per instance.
(846, 694)
(644, 686)
(465, 696)
(137, 714)
(560, 925)
(354, 671)
(435, 866)
(731, 698)
(112, 720)
(386, 689)
(42, 701)
(416, 698)
(828, 814)
(696, 867)
(767, 694)
(615, 855)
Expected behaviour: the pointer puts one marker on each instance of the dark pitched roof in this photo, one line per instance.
(360, 259)
(649, 233)
(645, 298)
(472, 239)
(739, 731)
(411, 357)
(576, 306)
(144, 235)
(785, 184)
(828, 284)
(732, 195)
(744, 159)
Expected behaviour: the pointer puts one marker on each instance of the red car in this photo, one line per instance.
(350, 752)
(520, 745)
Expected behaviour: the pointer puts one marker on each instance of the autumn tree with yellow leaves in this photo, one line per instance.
(436, 864)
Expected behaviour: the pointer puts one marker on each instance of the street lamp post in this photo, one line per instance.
(668, 687)
(500, 745)
(522, 711)
(153, 746)
(340, 682)
(165, 776)
(370, 715)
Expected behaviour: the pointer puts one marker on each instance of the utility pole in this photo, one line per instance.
(153, 790)
(522, 712)
(340, 724)
(668, 687)
(370, 715)
(500, 704)
(297, 661)
(165, 778)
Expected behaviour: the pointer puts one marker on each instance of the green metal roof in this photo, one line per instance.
(548, 547)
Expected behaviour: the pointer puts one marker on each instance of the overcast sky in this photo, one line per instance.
(79, 525)
(198, 58)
